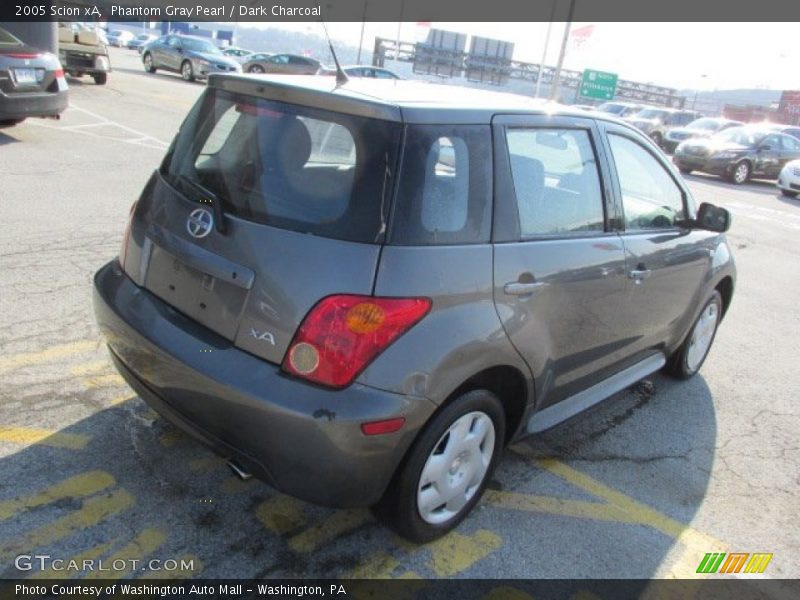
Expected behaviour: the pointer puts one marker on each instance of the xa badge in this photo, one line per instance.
(200, 223)
(264, 337)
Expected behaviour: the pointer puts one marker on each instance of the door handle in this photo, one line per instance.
(515, 288)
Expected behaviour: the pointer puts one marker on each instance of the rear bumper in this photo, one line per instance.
(304, 440)
(35, 104)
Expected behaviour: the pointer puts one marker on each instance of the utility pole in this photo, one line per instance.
(544, 51)
(557, 77)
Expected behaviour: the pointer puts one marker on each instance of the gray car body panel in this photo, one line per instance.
(587, 328)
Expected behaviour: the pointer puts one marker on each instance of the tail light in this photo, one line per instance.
(59, 73)
(23, 55)
(343, 334)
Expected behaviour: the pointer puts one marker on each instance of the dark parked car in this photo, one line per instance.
(656, 122)
(363, 294)
(739, 153)
(793, 130)
(140, 41)
(32, 82)
(192, 57)
(287, 64)
(700, 128)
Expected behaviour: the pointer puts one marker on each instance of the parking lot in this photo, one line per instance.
(642, 486)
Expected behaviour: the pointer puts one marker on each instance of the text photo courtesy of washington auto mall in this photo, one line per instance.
(399, 299)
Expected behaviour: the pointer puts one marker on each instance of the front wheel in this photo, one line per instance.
(740, 173)
(656, 137)
(10, 123)
(688, 359)
(187, 71)
(100, 78)
(685, 170)
(147, 59)
(789, 193)
(445, 472)
(256, 69)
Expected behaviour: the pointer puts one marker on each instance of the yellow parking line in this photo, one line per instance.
(90, 554)
(23, 359)
(88, 368)
(93, 511)
(599, 511)
(145, 543)
(172, 437)
(105, 380)
(455, 553)
(45, 437)
(78, 486)
(379, 566)
(338, 523)
(281, 514)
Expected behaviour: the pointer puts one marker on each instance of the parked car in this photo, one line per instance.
(361, 336)
(619, 109)
(739, 153)
(792, 130)
(192, 57)
(290, 64)
(700, 128)
(240, 55)
(32, 82)
(656, 122)
(789, 179)
(140, 41)
(82, 50)
(361, 71)
(120, 38)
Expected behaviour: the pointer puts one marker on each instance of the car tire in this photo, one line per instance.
(657, 139)
(685, 170)
(10, 123)
(740, 173)
(187, 71)
(147, 60)
(256, 69)
(100, 78)
(468, 435)
(687, 360)
(789, 193)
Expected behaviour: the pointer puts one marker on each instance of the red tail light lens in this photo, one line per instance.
(59, 73)
(343, 334)
(23, 55)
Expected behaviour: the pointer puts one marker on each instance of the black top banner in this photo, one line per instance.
(400, 10)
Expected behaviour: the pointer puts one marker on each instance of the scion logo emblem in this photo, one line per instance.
(200, 223)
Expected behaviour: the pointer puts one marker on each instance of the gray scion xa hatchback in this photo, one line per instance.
(362, 292)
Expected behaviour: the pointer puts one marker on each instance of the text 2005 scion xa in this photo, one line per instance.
(362, 292)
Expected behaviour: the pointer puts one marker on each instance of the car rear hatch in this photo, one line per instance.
(25, 70)
(261, 209)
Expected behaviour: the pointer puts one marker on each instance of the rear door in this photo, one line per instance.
(303, 192)
(768, 155)
(666, 262)
(790, 150)
(559, 265)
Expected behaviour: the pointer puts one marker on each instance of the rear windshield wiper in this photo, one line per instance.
(208, 196)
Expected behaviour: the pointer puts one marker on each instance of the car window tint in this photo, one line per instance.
(444, 195)
(773, 141)
(174, 42)
(650, 197)
(556, 181)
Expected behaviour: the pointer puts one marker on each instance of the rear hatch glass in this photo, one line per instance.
(305, 194)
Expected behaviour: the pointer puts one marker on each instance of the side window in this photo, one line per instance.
(556, 181)
(791, 144)
(445, 186)
(773, 141)
(174, 42)
(650, 197)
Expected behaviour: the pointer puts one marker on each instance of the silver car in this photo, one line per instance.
(192, 57)
(361, 293)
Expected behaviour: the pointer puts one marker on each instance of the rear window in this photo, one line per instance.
(288, 166)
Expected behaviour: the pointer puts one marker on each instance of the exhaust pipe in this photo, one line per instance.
(239, 470)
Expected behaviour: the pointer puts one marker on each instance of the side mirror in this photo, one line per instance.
(713, 218)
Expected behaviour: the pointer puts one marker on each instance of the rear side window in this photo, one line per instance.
(556, 181)
(444, 194)
(288, 166)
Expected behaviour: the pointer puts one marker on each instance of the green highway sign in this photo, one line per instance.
(597, 84)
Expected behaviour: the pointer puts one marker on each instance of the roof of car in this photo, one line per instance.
(392, 99)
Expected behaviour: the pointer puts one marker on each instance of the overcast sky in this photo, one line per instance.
(682, 55)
